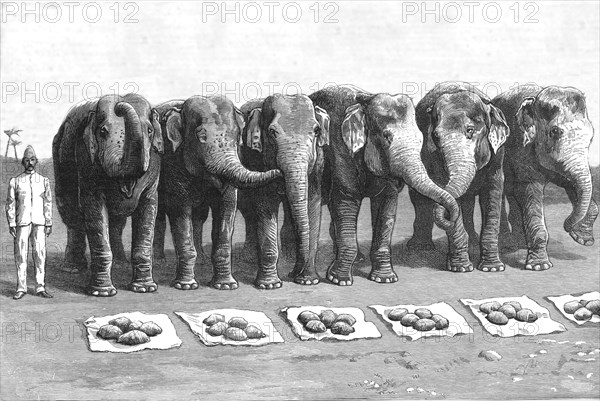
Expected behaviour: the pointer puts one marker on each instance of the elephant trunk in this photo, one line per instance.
(296, 189)
(577, 171)
(406, 163)
(134, 158)
(461, 168)
(227, 165)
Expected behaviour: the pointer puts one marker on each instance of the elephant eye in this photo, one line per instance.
(317, 130)
(470, 132)
(273, 132)
(104, 130)
(150, 129)
(555, 132)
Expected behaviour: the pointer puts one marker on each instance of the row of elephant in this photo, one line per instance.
(119, 156)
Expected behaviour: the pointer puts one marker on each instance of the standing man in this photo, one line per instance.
(29, 214)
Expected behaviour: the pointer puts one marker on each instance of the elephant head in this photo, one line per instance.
(385, 126)
(119, 134)
(208, 131)
(467, 129)
(290, 131)
(555, 124)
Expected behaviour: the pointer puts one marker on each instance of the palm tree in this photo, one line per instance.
(13, 139)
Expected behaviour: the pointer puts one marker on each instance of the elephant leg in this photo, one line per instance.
(467, 204)
(223, 208)
(360, 256)
(180, 220)
(458, 249)
(199, 216)
(267, 213)
(383, 217)
(142, 232)
(75, 260)
(583, 233)
(307, 274)
(288, 235)
(116, 225)
(96, 225)
(158, 244)
(530, 197)
(423, 224)
(344, 213)
(247, 208)
(490, 200)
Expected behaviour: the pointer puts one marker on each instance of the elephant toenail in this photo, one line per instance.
(186, 287)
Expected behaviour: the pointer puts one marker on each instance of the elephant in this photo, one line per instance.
(464, 133)
(550, 143)
(374, 150)
(201, 168)
(286, 132)
(106, 164)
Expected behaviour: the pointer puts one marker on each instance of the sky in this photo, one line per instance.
(53, 55)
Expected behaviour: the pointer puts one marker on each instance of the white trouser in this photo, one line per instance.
(37, 235)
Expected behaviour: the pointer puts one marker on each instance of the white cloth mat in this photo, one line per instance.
(165, 340)
(457, 323)
(259, 319)
(543, 325)
(560, 300)
(362, 328)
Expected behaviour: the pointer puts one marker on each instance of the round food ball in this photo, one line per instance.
(593, 306)
(253, 331)
(213, 318)
(571, 307)
(134, 337)
(441, 322)
(342, 328)
(397, 314)
(315, 326)
(217, 329)
(583, 314)
(508, 310)
(424, 325)
(347, 318)
(109, 332)
(238, 322)
(234, 333)
(328, 317)
(423, 313)
(496, 317)
(488, 307)
(526, 315)
(514, 304)
(307, 316)
(409, 319)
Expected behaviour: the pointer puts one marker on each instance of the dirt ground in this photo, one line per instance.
(45, 355)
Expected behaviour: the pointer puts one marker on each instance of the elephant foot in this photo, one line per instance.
(104, 292)
(582, 237)
(459, 264)
(339, 277)
(305, 278)
(185, 284)
(491, 266)
(418, 245)
(537, 264)
(224, 283)
(248, 253)
(268, 282)
(383, 276)
(143, 286)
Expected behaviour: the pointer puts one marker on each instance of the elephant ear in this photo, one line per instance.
(353, 128)
(253, 134)
(323, 120)
(239, 118)
(431, 147)
(89, 136)
(174, 127)
(498, 131)
(157, 139)
(525, 119)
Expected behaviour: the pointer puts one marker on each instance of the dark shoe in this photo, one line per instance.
(19, 295)
(44, 294)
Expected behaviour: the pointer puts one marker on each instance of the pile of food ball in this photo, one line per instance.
(236, 329)
(327, 320)
(582, 309)
(129, 332)
(500, 314)
(421, 319)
